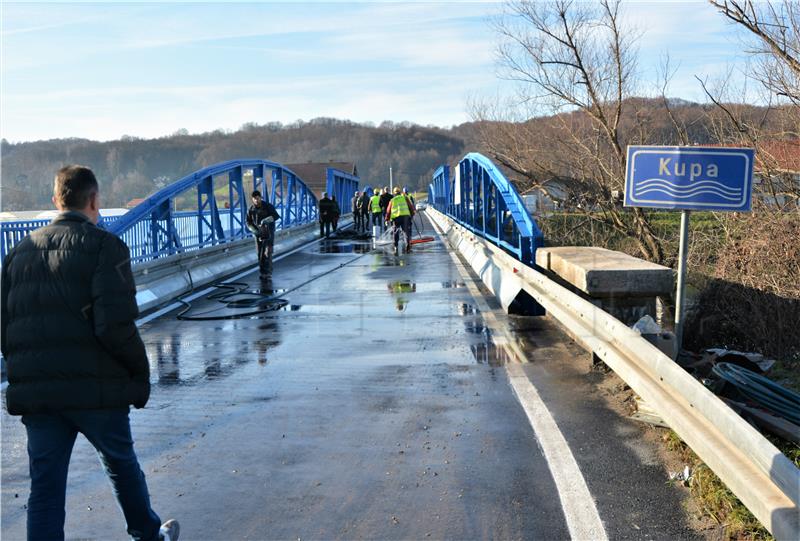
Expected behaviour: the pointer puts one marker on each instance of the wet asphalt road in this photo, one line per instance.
(373, 405)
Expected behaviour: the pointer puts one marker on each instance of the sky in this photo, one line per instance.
(101, 70)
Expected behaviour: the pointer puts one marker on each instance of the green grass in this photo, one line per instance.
(714, 499)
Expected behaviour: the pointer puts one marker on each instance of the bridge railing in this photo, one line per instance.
(483, 200)
(12, 232)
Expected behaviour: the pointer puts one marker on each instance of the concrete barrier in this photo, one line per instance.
(762, 477)
(622, 285)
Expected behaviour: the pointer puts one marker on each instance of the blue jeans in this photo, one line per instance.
(50, 441)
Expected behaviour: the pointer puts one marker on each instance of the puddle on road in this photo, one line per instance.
(176, 360)
(453, 285)
(489, 353)
(466, 309)
(344, 247)
(475, 327)
(485, 351)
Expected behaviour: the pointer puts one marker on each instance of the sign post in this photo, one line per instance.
(686, 179)
(681, 287)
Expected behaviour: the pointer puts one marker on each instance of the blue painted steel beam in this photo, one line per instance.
(153, 229)
(341, 185)
(483, 200)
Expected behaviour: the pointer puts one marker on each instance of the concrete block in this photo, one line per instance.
(599, 272)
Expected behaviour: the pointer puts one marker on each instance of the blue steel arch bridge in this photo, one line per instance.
(208, 207)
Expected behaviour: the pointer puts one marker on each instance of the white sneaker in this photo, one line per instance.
(169, 531)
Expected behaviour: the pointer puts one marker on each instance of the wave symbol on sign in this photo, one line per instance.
(677, 191)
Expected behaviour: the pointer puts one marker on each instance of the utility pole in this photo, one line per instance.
(391, 185)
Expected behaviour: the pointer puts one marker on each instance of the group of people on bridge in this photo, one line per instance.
(383, 208)
(380, 209)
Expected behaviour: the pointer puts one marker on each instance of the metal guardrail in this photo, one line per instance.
(483, 200)
(155, 229)
(764, 479)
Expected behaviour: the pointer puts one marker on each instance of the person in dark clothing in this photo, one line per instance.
(363, 206)
(356, 210)
(384, 202)
(261, 218)
(75, 360)
(410, 197)
(336, 213)
(327, 209)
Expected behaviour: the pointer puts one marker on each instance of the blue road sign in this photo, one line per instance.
(689, 178)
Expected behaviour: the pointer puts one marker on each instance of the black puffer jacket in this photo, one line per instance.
(328, 210)
(68, 331)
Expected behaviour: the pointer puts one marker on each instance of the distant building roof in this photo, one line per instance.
(785, 155)
(133, 202)
(315, 175)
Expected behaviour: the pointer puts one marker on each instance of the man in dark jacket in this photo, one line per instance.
(363, 208)
(327, 212)
(356, 210)
(261, 217)
(384, 200)
(75, 359)
(336, 212)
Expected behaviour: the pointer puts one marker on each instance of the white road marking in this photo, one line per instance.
(580, 511)
(175, 305)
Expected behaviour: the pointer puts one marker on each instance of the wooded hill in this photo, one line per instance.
(130, 167)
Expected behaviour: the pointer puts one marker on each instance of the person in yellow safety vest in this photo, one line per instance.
(400, 210)
(375, 208)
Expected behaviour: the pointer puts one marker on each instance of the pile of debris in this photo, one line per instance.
(738, 378)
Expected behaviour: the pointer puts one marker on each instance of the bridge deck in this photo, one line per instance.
(343, 416)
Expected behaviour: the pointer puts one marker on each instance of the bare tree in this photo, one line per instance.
(575, 59)
(776, 29)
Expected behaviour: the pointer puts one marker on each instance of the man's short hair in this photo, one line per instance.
(74, 186)
(255, 193)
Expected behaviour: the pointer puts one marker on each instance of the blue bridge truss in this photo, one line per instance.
(189, 215)
(483, 200)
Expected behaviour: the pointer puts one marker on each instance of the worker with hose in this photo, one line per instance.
(400, 210)
(261, 217)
